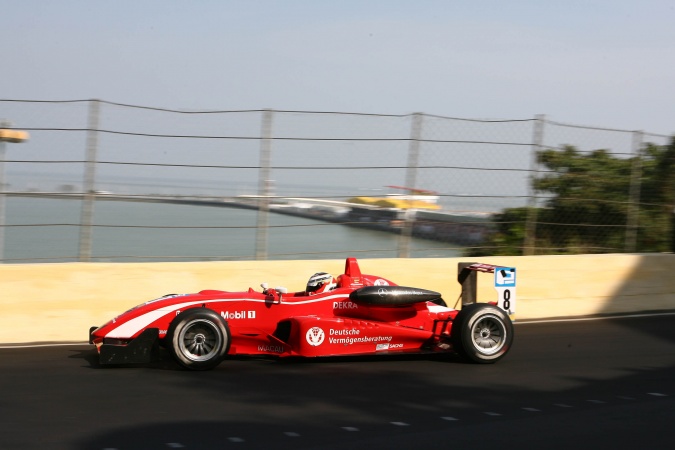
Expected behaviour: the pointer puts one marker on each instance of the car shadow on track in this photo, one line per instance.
(166, 361)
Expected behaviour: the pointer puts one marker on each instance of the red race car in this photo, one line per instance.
(355, 314)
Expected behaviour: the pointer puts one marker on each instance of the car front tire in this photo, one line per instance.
(198, 339)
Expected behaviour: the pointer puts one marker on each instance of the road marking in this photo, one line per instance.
(446, 418)
(583, 319)
(55, 344)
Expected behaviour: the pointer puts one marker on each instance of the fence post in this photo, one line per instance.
(529, 244)
(6, 135)
(2, 199)
(632, 215)
(411, 183)
(262, 226)
(89, 183)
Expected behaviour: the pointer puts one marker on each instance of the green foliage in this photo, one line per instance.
(587, 204)
(508, 237)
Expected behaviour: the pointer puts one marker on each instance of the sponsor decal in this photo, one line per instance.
(162, 332)
(270, 348)
(357, 339)
(380, 282)
(315, 336)
(228, 315)
(349, 332)
(344, 305)
(387, 346)
(382, 292)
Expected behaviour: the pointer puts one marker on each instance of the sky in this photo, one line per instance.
(589, 62)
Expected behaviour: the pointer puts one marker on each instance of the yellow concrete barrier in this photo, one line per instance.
(59, 302)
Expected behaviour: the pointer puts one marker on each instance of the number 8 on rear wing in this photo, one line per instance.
(505, 284)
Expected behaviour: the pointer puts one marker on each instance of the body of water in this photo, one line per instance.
(47, 230)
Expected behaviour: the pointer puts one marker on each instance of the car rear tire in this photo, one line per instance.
(482, 333)
(198, 339)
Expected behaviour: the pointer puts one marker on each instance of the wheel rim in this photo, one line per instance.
(200, 340)
(488, 334)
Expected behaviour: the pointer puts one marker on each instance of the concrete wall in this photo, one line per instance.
(59, 302)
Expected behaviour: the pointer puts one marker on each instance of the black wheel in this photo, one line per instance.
(199, 339)
(482, 333)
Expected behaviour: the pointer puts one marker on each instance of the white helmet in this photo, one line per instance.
(320, 282)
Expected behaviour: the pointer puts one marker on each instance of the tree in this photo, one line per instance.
(587, 200)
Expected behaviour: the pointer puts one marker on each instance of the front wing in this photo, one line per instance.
(143, 349)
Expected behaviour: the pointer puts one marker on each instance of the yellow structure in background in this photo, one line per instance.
(414, 199)
(13, 136)
(395, 202)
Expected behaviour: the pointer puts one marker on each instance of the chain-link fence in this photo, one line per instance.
(100, 181)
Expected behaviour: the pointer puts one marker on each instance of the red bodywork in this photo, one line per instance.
(297, 324)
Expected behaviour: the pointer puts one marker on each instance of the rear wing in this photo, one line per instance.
(504, 284)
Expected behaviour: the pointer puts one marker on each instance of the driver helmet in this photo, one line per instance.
(320, 282)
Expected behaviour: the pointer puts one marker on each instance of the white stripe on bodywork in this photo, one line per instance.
(438, 308)
(133, 326)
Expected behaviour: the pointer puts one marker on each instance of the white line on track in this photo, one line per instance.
(54, 344)
(584, 319)
(400, 424)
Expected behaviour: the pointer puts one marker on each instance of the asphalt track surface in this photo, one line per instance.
(586, 384)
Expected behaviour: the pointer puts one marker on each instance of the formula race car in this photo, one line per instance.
(355, 314)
